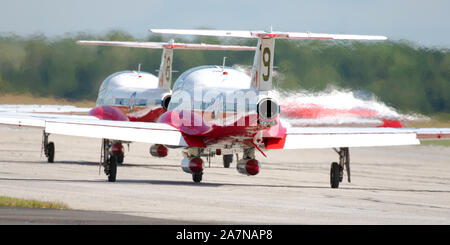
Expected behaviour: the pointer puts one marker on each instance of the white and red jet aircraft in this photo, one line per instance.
(141, 96)
(217, 110)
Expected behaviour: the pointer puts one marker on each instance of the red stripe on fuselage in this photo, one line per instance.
(140, 113)
(208, 128)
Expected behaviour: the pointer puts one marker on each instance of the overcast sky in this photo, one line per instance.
(423, 22)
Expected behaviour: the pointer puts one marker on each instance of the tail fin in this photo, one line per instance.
(262, 70)
(165, 69)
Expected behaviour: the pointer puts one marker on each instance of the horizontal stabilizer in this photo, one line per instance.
(217, 33)
(263, 34)
(169, 45)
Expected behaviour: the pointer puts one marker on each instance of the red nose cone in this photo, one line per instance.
(196, 165)
(252, 167)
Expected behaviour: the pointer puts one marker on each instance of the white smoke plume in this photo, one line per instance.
(338, 98)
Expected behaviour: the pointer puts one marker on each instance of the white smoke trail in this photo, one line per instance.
(338, 98)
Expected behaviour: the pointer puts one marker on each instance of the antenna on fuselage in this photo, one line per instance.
(223, 63)
(223, 66)
(139, 70)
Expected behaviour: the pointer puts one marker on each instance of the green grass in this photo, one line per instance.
(436, 142)
(18, 202)
(438, 120)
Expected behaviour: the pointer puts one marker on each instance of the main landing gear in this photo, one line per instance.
(248, 165)
(112, 155)
(227, 160)
(193, 163)
(197, 177)
(196, 164)
(48, 147)
(337, 169)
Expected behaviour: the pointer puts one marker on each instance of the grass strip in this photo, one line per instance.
(436, 142)
(18, 202)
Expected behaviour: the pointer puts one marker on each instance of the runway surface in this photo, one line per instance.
(390, 185)
(35, 216)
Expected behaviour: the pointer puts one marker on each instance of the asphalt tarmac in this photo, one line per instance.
(35, 216)
(390, 185)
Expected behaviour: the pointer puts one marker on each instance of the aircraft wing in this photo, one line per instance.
(334, 137)
(89, 126)
(44, 108)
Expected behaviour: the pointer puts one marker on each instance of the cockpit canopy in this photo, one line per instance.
(212, 77)
(213, 88)
(118, 88)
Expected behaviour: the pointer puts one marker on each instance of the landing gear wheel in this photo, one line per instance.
(335, 175)
(227, 160)
(341, 173)
(197, 177)
(120, 159)
(50, 152)
(112, 168)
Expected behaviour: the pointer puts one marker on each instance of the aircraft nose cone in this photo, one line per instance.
(188, 122)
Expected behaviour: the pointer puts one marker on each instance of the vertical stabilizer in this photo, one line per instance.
(165, 70)
(262, 70)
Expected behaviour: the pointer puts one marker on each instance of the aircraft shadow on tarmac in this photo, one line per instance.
(189, 183)
(86, 163)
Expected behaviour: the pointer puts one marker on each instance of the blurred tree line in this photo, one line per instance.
(401, 74)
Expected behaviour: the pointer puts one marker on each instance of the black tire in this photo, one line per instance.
(112, 168)
(197, 177)
(335, 175)
(120, 159)
(50, 152)
(341, 174)
(227, 160)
